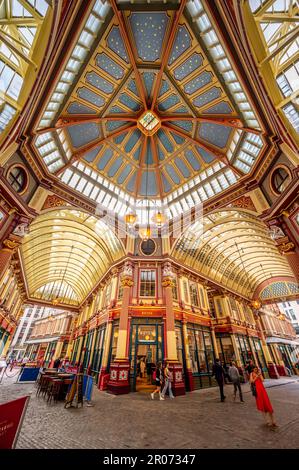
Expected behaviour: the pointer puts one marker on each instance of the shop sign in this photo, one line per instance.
(11, 418)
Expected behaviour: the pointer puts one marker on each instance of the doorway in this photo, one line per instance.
(146, 351)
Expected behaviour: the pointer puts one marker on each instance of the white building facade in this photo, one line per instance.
(291, 310)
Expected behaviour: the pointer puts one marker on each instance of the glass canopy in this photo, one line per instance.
(232, 248)
(65, 255)
(148, 103)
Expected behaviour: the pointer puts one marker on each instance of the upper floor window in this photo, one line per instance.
(147, 283)
(280, 179)
(175, 289)
(185, 287)
(193, 294)
(17, 178)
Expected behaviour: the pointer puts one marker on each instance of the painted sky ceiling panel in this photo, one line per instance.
(115, 166)
(192, 160)
(104, 62)
(207, 97)
(187, 67)
(149, 31)
(91, 97)
(116, 44)
(129, 102)
(188, 87)
(83, 134)
(106, 157)
(200, 81)
(99, 82)
(181, 44)
(148, 79)
(148, 184)
(79, 108)
(220, 108)
(205, 155)
(215, 134)
(90, 156)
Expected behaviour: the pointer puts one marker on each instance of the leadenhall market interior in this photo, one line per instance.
(149, 186)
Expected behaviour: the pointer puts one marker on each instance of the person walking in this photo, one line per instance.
(218, 372)
(167, 386)
(158, 377)
(234, 376)
(263, 403)
(3, 365)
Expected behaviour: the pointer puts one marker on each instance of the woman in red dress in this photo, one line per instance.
(263, 403)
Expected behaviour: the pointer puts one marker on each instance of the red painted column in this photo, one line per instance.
(120, 368)
(175, 368)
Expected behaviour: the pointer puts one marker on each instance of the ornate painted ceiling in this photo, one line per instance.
(148, 103)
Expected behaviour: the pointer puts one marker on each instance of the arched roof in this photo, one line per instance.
(233, 248)
(66, 253)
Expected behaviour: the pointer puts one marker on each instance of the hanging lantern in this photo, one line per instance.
(130, 219)
(145, 232)
(159, 219)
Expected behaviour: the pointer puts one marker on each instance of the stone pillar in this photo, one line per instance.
(214, 340)
(120, 368)
(175, 368)
(189, 373)
(102, 383)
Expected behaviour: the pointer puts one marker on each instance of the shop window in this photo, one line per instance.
(280, 179)
(185, 287)
(219, 309)
(179, 343)
(147, 283)
(193, 294)
(18, 178)
(120, 292)
(114, 343)
(202, 298)
(107, 294)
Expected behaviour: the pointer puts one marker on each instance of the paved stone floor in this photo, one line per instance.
(197, 420)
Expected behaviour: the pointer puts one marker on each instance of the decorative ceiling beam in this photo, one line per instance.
(285, 43)
(87, 148)
(218, 155)
(65, 121)
(228, 122)
(139, 171)
(157, 169)
(167, 51)
(277, 18)
(124, 34)
(16, 50)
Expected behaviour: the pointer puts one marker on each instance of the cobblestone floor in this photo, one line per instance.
(197, 420)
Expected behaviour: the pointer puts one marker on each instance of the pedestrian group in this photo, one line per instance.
(163, 378)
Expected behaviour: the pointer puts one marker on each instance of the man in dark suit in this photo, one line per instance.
(218, 372)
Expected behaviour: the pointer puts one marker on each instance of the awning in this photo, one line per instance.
(42, 340)
(273, 339)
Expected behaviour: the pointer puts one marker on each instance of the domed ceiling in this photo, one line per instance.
(148, 103)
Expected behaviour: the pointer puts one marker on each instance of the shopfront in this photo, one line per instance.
(146, 350)
(244, 349)
(201, 355)
(225, 348)
(98, 350)
(4, 335)
(260, 356)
